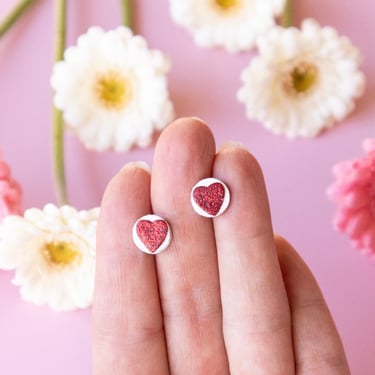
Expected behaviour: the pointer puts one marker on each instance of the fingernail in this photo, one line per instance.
(199, 119)
(232, 144)
(137, 164)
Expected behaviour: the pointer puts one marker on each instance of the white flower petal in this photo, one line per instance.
(332, 63)
(235, 28)
(138, 72)
(63, 282)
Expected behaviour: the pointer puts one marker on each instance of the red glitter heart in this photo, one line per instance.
(152, 233)
(210, 198)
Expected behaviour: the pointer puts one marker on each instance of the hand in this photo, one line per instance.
(227, 297)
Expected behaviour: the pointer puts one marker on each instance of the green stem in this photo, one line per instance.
(57, 117)
(126, 13)
(287, 17)
(19, 9)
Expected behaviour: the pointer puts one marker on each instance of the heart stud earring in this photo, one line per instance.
(210, 197)
(151, 234)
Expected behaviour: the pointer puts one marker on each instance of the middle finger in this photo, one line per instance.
(188, 270)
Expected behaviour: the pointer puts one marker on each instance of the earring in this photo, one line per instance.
(152, 234)
(210, 197)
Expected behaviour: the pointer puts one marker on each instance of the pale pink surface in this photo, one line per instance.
(203, 83)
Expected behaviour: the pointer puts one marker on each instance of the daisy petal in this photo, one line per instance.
(53, 252)
(112, 80)
(303, 81)
(233, 24)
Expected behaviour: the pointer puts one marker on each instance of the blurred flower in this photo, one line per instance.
(303, 81)
(112, 89)
(10, 193)
(354, 193)
(233, 24)
(53, 253)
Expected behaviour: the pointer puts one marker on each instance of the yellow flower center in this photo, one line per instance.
(301, 78)
(113, 90)
(227, 8)
(61, 253)
(227, 4)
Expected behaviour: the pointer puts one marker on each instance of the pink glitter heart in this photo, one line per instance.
(210, 198)
(152, 233)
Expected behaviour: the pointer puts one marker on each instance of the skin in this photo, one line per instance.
(226, 297)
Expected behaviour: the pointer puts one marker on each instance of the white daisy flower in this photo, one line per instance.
(53, 253)
(303, 81)
(112, 89)
(233, 24)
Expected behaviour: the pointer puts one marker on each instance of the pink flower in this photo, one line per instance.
(10, 192)
(354, 193)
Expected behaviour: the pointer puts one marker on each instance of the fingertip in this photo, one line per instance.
(231, 144)
(131, 176)
(282, 244)
(289, 257)
(125, 199)
(237, 155)
(190, 132)
(241, 171)
(188, 120)
(137, 164)
(295, 271)
(184, 154)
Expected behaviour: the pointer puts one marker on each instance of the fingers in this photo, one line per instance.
(256, 319)
(227, 306)
(317, 345)
(187, 271)
(128, 335)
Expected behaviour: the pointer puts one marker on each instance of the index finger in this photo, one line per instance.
(128, 336)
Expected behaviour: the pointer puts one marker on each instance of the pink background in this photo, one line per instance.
(203, 83)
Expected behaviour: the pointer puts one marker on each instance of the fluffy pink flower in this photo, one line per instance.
(10, 192)
(354, 193)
